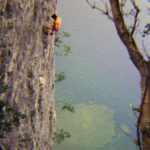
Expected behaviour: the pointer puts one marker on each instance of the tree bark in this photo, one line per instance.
(143, 67)
(144, 118)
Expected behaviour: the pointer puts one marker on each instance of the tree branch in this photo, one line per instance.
(135, 17)
(122, 4)
(104, 12)
(145, 50)
(126, 36)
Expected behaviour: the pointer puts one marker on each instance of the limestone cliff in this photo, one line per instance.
(27, 67)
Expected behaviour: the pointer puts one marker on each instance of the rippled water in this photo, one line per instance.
(98, 71)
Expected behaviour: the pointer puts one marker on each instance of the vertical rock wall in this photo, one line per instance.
(27, 67)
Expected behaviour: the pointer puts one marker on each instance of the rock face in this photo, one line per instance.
(27, 67)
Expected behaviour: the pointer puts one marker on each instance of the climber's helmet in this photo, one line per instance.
(54, 16)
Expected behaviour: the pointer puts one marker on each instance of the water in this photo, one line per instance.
(98, 71)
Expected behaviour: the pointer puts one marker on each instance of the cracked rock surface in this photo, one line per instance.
(27, 67)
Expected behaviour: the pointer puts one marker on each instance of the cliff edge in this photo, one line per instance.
(27, 68)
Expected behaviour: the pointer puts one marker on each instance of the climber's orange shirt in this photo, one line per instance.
(57, 24)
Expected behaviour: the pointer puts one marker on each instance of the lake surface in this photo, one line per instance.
(101, 82)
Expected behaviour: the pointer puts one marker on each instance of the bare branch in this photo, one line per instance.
(135, 17)
(104, 12)
(145, 50)
(122, 4)
(126, 36)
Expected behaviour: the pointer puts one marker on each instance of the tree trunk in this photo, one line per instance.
(143, 67)
(144, 118)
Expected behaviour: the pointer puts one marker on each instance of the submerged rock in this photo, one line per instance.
(125, 129)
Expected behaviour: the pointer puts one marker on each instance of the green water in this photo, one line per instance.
(98, 72)
(92, 127)
(83, 125)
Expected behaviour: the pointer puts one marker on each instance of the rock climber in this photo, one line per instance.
(55, 26)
